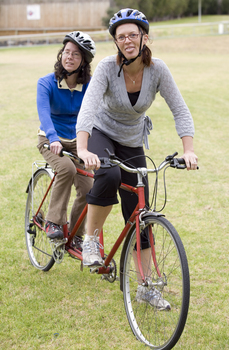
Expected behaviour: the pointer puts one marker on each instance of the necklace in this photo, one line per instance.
(133, 81)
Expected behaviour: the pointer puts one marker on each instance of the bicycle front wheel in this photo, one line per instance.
(38, 246)
(166, 270)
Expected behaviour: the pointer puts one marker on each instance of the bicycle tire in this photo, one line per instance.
(158, 329)
(37, 243)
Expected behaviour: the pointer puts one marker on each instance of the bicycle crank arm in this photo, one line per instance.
(103, 270)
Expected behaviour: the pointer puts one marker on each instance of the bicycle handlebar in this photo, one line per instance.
(65, 153)
(112, 160)
(178, 163)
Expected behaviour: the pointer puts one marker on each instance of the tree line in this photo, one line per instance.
(156, 10)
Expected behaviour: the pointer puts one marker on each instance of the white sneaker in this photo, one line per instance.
(153, 297)
(91, 251)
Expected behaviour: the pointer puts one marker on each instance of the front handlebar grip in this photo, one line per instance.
(178, 163)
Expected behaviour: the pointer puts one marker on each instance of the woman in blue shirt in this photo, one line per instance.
(59, 98)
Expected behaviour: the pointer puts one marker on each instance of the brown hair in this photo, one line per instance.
(84, 75)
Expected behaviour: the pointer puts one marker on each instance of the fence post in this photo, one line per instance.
(221, 28)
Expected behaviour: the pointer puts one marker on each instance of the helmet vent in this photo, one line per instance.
(129, 12)
(119, 14)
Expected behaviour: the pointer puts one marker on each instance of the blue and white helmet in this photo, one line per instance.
(84, 41)
(128, 16)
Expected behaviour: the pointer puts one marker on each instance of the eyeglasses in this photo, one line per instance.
(75, 54)
(122, 38)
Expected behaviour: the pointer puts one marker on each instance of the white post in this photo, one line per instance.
(199, 11)
(221, 28)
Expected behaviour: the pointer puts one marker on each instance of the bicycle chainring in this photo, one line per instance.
(58, 249)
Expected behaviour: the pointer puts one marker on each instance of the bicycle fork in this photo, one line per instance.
(140, 225)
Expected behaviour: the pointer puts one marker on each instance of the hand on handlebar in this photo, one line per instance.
(56, 147)
(91, 160)
(191, 160)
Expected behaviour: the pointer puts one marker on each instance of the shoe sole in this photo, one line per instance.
(55, 237)
(96, 263)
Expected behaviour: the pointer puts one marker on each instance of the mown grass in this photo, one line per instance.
(188, 27)
(67, 309)
(194, 19)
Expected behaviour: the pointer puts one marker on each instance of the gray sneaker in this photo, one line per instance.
(91, 251)
(153, 297)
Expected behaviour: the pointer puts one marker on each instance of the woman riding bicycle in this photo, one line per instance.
(112, 116)
(59, 98)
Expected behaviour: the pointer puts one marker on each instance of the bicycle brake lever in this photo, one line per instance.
(168, 158)
(111, 155)
(178, 163)
(105, 163)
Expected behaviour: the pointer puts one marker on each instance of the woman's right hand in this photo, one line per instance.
(91, 160)
(56, 147)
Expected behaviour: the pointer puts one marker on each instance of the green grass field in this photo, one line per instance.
(67, 309)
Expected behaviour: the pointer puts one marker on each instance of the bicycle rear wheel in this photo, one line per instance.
(169, 275)
(38, 246)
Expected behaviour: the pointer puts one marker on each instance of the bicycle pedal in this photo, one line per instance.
(81, 266)
(94, 269)
(58, 242)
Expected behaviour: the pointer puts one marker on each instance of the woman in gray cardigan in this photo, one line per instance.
(113, 116)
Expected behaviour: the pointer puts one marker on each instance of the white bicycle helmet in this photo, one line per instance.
(84, 41)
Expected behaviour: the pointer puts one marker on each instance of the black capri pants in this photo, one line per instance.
(107, 181)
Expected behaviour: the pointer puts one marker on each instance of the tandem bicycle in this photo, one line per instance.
(166, 269)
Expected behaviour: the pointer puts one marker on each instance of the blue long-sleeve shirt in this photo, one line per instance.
(58, 108)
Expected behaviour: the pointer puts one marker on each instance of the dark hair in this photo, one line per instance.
(84, 75)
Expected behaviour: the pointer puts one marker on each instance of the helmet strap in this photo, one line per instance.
(65, 72)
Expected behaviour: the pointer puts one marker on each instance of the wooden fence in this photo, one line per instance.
(52, 16)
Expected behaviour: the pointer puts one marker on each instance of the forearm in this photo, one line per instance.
(188, 144)
(82, 141)
(189, 156)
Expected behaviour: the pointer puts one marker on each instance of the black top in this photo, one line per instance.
(133, 96)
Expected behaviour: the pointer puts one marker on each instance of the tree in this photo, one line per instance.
(169, 8)
(146, 6)
(160, 9)
(225, 7)
(192, 8)
(209, 7)
(133, 4)
(110, 13)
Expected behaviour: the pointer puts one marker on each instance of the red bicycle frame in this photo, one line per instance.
(139, 191)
